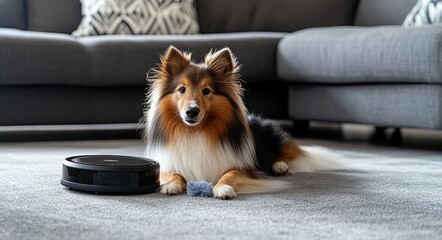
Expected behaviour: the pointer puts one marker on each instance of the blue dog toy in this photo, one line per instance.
(199, 189)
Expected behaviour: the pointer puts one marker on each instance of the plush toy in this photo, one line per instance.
(199, 189)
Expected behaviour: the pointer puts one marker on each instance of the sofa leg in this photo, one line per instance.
(300, 128)
(379, 136)
(396, 137)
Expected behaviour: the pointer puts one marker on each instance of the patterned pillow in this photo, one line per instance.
(425, 12)
(137, 17)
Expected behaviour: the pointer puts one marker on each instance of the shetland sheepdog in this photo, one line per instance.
(198, 128)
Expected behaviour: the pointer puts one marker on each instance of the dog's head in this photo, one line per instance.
(198, 92)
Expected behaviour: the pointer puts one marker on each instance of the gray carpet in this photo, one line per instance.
(387, 193)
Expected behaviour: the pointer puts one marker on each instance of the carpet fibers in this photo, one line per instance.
(385, 193)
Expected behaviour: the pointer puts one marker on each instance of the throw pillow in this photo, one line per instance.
(425, 12)
(137, 17)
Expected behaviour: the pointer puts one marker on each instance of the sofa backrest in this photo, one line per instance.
(12, 14)
(383, 12)
(61, 16)
(217, 16)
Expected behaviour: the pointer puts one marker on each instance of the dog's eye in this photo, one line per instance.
(182, 90)
(206, 91)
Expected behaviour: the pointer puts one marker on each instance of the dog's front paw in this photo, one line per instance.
(171, 188)
(280, 169)
(224, 192)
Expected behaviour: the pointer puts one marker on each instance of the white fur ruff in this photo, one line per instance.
(196, 160)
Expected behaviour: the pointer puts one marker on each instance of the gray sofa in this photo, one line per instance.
(304, 60)
(375, 73)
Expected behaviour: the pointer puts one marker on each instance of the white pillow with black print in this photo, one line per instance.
(425, 12)
(101, 17)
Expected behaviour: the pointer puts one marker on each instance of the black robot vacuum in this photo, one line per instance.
(111, 174)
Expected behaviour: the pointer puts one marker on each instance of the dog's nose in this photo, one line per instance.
(192, 112)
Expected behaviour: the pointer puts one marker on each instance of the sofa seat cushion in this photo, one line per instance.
(36, 58)
(386, 54)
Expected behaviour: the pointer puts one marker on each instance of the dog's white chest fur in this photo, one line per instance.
(196, 160)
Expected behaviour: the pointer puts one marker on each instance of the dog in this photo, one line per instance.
(198, 128)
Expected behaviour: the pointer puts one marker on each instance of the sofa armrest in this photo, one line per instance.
(362, 55)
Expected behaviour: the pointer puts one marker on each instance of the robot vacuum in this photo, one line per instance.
(111, 174)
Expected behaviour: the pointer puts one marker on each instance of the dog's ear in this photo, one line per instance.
(221, 62)
(174, 61)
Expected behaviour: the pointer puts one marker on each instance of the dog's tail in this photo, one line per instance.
(308, 159)
(314, 158)
(252, 185)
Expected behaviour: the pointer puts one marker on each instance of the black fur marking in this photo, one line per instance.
(268, 141)
(235, 134)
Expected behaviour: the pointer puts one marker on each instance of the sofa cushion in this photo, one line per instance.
(62, 16)
(12, 14)
(217, 16)
(39, 58)
(124, 60)
(362, 55)
(382, 12)
(137, 17)
(425, 12)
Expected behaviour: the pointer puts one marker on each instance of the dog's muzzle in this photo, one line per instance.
(191, 117)
(192, 112)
